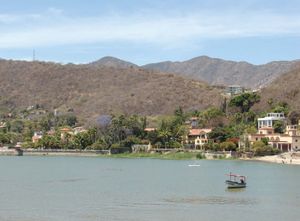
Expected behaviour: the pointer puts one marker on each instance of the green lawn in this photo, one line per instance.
(167, 156)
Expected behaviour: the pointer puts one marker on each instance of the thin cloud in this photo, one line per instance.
(54, 28)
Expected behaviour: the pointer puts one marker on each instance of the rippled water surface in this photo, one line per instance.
(87, 189)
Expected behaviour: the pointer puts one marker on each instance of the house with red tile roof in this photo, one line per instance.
(196, 138)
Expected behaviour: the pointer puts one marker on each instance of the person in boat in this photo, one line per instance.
(242, 181)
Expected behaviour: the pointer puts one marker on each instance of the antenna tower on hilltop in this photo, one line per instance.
(33, 55)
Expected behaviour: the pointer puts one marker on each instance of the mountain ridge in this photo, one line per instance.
(92, 91)
(217, 71)
(284, 89)
(214, 71)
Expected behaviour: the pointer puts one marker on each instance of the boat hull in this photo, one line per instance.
(233, 184)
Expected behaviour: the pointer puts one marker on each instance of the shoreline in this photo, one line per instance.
(75, 153)
(168, 155)
(284, 158)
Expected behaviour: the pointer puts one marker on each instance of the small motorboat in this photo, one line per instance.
(235, 181)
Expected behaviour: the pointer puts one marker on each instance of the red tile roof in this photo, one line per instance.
(196, 132)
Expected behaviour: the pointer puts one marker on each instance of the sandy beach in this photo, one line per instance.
(284, 158)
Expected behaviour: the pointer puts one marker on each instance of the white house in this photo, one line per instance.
(268, 121)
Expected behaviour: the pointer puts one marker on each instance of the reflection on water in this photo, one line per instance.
(71, 180)
(214, 200)
(235, 190)
(68, 180)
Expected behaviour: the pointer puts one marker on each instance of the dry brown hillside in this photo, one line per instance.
(92, 91)
(221, 72)
(286, 88)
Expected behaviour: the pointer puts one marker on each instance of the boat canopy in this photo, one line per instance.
(236, 176)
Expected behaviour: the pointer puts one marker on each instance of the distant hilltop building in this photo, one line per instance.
(234, 90)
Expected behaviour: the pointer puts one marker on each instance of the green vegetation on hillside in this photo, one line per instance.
(120, 132)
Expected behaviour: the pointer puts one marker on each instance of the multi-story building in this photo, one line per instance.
(196, 138)
(269, 120)
(288, 141)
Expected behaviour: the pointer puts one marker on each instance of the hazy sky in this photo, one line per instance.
(145, 31)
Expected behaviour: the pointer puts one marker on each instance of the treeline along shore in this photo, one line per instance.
(233, 130)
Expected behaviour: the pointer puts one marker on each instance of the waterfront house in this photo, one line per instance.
(288, 141)
(67, 132)
(37, 136)
(64, 132)
(196, 138)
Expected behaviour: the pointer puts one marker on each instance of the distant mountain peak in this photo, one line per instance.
(217, 71)
(109, 61)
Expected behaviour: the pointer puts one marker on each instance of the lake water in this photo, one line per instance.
(87, 189)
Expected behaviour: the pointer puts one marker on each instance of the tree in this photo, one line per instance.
(244, 101)
(294, 117)
(130, 140)
(171, 131)
(27, 145)
(152, 136)
(45, 123)
(211, 117)
(281, 107)
(65, 120)
(258, 144)
(16, 126)
(51, 142)
(28, 131)
(165, 135)
(218, 134)
(265, 140)
(82, 140)
(98, 145)
(4, 138)
(179, 114)
(261, 149)
(228, 146)
(278, 126)
(135, 125)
